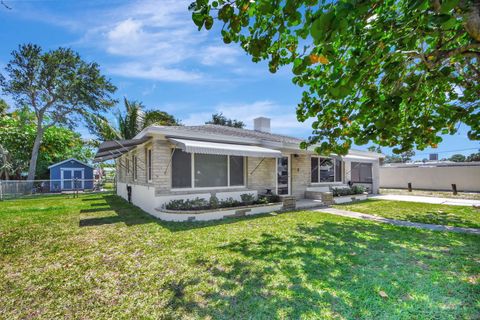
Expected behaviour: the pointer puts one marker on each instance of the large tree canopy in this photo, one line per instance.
(57, 86)
(220, 119)
(397, 73)
(17, 135)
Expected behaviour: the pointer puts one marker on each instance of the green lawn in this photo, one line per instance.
(459, 216)
(97, 257)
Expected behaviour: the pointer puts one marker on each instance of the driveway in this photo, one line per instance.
(434, 200)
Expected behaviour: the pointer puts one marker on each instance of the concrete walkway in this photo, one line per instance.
(364, 216)
(434, 200)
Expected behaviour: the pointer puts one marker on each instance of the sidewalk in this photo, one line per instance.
(364, 216)
(434, 200)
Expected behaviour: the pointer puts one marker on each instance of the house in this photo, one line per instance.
(187, 162)
(70, 174)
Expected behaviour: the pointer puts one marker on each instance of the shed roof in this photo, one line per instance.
(70, 159)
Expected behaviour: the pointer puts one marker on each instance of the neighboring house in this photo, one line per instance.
(70, 174)
(185, 162)
(432, 175)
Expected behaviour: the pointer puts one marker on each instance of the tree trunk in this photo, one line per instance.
(33, 160)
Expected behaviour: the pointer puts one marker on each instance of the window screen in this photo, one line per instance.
(210, 170)
(181, 169)
(338, 170)
(361, 172)
(314, 169)
(326, 170)
(236, 171)
(149, 164)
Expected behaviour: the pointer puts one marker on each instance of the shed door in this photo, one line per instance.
(77, 174)
(67, 180)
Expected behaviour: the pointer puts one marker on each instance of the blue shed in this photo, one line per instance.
(64, 174)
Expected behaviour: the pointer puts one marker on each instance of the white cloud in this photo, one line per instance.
(154, 72)
(283, 118)
(157, 40)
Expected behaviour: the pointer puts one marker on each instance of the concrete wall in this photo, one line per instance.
(467, 178)
(261, 175)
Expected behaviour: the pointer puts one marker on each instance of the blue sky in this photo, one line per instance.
(154, 54)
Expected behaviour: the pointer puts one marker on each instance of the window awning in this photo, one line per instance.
(205, 147)
(115, 148)
(358, 158)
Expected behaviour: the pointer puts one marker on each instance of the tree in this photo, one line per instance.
(220, 119)
(376, 149)
(130, 123)
(457, 158)
(3, 107)
(399, 158)
(473, 157)
(395, 73)
(58, 86)
(17, 136)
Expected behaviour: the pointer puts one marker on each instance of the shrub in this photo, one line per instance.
(214, 202)
(346, 191)
(181, 204)
(247, 198)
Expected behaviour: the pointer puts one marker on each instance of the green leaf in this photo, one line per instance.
(320, 27)
(448, 5)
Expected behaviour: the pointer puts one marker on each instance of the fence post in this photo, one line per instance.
(454, 188)
(409, 187)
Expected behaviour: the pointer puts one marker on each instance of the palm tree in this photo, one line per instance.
(134, 120)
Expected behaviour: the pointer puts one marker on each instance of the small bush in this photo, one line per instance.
(214, 203)
(247, 198)
(347, 191)
(181, 204)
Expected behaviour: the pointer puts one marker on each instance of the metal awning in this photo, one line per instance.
(205, 147)
(115, 148)
(358, 158)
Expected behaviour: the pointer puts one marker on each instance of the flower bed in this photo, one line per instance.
(201, 204)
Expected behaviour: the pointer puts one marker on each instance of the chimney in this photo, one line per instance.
(433, 156)
(261, 124)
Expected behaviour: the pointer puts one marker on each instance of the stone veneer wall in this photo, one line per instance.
(301, 175)
(264, 176)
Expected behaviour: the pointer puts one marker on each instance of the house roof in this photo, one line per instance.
(235, 132)
(70, 159)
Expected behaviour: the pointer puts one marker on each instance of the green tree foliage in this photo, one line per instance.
(220, 119)
(3, 107)
(398, 73)
(399, 158)
(130, 122)
(18, 131)
(473, 157)
(457, 158)
(376, 149)
(58, 87)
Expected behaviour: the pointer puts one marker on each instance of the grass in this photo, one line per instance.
(458, 216)
(431, 193)
(98, 257)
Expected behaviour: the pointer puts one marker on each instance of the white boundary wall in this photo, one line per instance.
(467, 178)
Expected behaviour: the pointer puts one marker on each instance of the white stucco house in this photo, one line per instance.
(186, 162)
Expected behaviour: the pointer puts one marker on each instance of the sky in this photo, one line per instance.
(153, 53)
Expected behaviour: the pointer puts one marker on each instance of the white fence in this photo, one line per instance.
(466, 178)
(20, 188)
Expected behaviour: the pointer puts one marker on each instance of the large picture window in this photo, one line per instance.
(362, 172)
(208, 170)
(326, 170)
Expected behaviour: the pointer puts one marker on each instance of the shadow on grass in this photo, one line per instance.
(337, 270)
(132, 215)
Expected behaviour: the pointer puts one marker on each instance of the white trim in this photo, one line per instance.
(62, 180)
(192, 178)
(61, 162)
(289, 175)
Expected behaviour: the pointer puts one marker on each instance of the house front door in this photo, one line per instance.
(283, 175)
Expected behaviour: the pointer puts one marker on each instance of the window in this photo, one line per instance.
(181, 169)
(134, 169)
(210, 170)
(128, 165)
(237, 172)
(149, 164)
(206, 170)
(325, 170)
(362, 172)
